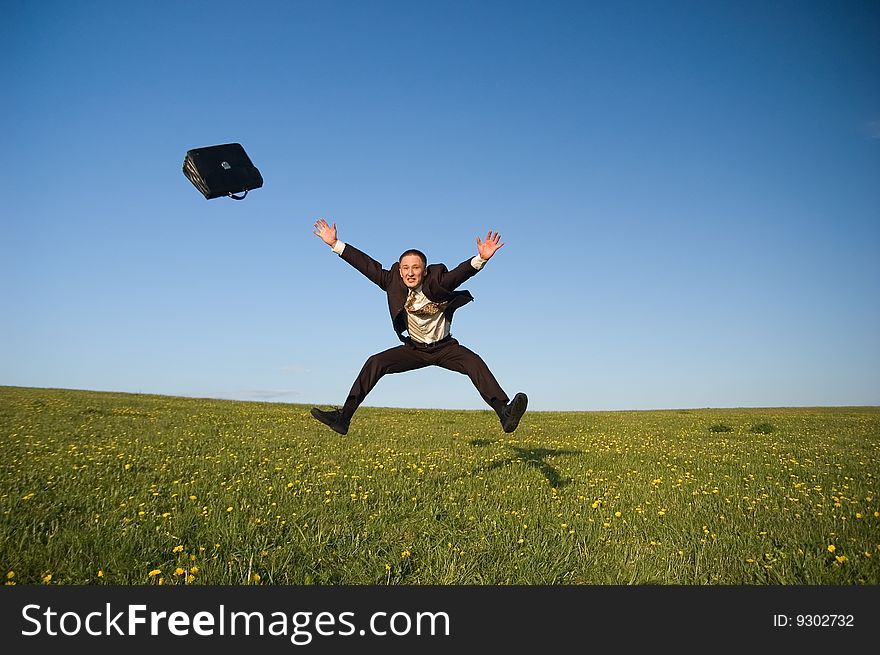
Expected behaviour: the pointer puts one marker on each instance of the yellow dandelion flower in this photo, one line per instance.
(190, 579)
(194, 569)
(405, 554)
(100, 573)
(179, 571)
(617, 515)
(155, 572)
(840, 558)
(387, 567)
(10, 575)
(47, 577)
(177, 549)
(831, 548)
(255, 577)
(193, 498)
(228, 509)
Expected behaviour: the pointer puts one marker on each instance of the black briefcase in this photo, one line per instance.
(224, 170)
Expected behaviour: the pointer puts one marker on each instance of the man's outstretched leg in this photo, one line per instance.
(456, 357)
(393, 360)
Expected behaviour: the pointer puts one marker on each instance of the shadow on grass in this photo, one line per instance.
(535, 458)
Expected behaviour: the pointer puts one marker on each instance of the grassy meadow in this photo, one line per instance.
(109, 488)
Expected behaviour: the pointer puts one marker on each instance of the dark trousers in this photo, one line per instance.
(448, 354)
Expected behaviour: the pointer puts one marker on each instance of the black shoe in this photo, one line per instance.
(513, 411)
(333, 418)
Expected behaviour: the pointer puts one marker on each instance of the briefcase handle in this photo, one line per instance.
(235, 197)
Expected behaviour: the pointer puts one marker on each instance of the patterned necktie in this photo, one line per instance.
(428, 309)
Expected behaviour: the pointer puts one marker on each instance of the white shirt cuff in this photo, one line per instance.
(478, 262)
(338, 247)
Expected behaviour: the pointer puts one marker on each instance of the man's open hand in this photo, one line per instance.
(325, 231)
(488, 247)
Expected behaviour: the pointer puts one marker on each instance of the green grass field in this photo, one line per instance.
(107, 488)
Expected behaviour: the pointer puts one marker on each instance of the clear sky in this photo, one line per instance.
(688, 192)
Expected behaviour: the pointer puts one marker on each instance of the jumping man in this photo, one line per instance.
(422, 300)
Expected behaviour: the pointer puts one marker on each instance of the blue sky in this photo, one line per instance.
(688, 194)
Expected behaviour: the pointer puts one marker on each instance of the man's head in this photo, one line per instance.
(412, 267)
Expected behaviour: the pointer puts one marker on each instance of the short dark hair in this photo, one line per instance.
(413, 251)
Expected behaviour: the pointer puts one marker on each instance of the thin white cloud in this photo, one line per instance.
(873, 129)
(295, 369)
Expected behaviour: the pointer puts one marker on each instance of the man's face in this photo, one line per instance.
(412, 271)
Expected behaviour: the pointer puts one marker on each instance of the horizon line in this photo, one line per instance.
(440, 409)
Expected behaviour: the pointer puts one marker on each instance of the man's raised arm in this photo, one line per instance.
(469, 267)
(368, 266)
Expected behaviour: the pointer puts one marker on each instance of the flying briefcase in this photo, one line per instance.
(224, 170)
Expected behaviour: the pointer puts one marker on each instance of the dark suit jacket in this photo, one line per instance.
(438, 285)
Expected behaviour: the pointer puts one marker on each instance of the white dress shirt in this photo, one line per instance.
(425, 328)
